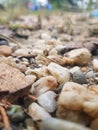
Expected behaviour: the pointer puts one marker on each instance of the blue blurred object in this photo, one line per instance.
(35, 5)
(49, 7)
(35, 8)
(94, 13)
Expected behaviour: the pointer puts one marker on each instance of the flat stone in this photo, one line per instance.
(15, 63)
(11, 79)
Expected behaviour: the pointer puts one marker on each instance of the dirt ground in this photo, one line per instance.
(49, 69)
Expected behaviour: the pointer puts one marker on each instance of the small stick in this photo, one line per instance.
(39, 21)
(32, 97)
(10, 39)
(5, 118)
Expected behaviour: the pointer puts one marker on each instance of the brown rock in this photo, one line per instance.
(80, 56)
(94, 124)
(12, 80)
(78, 103)
(5, 50)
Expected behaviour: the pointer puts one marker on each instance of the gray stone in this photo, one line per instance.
(30, 124)
(79, 77)
(16, 113)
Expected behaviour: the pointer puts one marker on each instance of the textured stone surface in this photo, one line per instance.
(5, 50)
(79, 77)
(78, 98)
(80, 56)
(95, 64)
(48, 101)
(12, 79)
(37, 112)
(43, 85)
(60, 73)
(57, 124)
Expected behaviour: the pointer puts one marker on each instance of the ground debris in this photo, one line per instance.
(48, 68)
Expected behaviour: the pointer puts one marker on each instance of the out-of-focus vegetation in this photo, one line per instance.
(57, 4)
(14, 8)
(75, 4)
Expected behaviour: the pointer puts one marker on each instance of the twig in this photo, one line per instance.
(10, 39)
(5, 118)
(32, 97)
(39, 21)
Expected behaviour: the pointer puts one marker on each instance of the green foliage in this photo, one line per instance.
(55, 3)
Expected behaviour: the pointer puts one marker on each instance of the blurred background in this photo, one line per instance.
(35, 5)
(50, 4)
(11, 9)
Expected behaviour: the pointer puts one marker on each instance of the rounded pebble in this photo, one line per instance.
(47, 101)
(79, 77)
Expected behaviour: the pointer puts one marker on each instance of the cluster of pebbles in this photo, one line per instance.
(56, 72)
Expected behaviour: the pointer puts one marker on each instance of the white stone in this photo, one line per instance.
(39, 72)
(44, 84)
(32, 78)
(45, 36)
(60, 73)
(80, 56)
(95, 64)
(57, 124)
(47, 101)
(37, 112)
(22, 52)
(74, 69)
(58, 47)
(53, 51)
